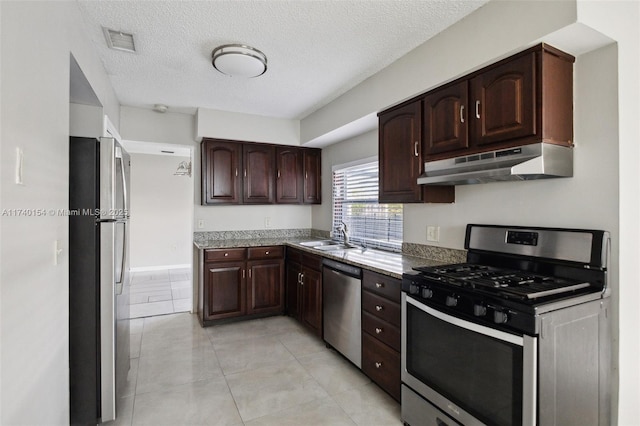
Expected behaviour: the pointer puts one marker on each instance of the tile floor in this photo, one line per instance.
(160, 292)
(267, 371)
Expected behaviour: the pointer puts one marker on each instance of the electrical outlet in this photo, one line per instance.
(433, 233)
(267, 222)
(200, 224)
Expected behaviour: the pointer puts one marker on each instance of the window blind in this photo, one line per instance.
(355, 202)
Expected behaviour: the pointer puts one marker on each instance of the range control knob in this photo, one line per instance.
(426, 293)
(479, 310)
(452, 300)
(414, 289)
(500, 317)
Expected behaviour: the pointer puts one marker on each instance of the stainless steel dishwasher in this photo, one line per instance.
(341, 298)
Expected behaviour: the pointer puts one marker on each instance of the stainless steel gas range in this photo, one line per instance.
(517, 335)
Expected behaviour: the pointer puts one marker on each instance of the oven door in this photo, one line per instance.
(476, 374)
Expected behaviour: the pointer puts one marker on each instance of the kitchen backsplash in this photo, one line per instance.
(259, 234)
(443, 254)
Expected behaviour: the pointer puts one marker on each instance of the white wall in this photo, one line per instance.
(620, 21)
(246, 127)
(161, 212)
(85, 120)
(37, 39)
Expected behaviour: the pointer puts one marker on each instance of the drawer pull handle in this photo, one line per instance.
(379, 285)
(378, 330)
(379, 308)
(266, 252)
(226, 254)
(378, 364)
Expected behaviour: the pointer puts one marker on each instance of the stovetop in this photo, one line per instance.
(515, 274)
(501, 282)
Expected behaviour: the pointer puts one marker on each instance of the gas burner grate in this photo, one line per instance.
(507, 283)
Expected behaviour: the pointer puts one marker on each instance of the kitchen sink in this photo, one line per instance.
(318, 243)
(331, 247)
(327, 245)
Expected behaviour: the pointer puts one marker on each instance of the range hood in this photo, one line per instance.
(527, 162)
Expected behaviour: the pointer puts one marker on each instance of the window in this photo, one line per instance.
(355, 202)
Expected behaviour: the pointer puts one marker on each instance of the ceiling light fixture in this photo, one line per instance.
(239, 60)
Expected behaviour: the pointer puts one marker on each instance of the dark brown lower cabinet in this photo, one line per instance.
(381, 364)
(304, 289)
(225, 290)
(265, 289)
(381, 319)
(239, 282)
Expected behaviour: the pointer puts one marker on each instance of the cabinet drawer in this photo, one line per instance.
(212, 255)
(381, 308)
(381, 330)
(383, 285)
(381, 364)
(267, 252)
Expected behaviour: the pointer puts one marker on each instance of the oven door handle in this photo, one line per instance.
(497, 334)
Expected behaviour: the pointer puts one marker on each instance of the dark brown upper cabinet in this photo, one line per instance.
(258, 174)
(235, 172)
(289, 175)
(312, 169)
(504, 102)
(221, 172)
(401, 160)
(526, 98)
(446, 119)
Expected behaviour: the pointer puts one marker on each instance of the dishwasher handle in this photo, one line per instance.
(352, 271)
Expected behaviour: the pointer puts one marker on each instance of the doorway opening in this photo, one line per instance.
(161, 228)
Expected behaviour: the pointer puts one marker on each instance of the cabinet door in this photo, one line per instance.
(265, 287)
(503, 102)
(312, 164)
(400, 135)
(225, 290)
(311, 299)
(445, 119)
(258, 174)
(294, 270)
(289, 175)
(221, 166)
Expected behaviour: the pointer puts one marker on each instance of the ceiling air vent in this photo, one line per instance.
(119, 41)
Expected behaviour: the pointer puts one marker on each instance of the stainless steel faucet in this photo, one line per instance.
(345, 233)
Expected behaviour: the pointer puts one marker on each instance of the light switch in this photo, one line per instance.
(200, 224)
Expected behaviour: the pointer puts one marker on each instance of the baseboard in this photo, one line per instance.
(158, 268)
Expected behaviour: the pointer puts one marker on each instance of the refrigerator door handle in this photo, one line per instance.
(120, 247)
(107, 321)
(107, 179)
(125, 195)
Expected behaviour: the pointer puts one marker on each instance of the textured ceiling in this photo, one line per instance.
(316, 50)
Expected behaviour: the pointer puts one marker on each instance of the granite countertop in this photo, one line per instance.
(387, 263)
